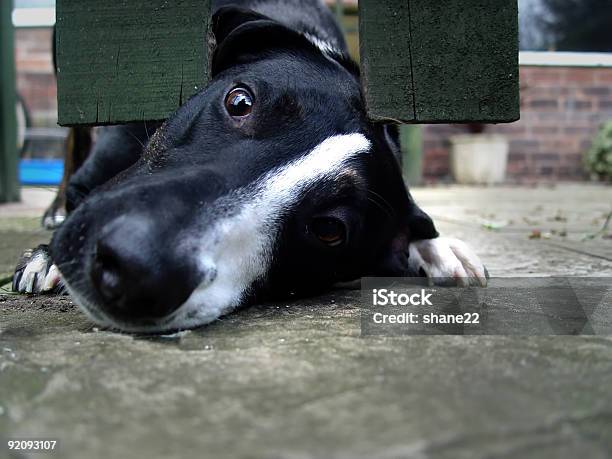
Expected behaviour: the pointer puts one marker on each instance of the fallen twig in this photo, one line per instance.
(603, 229)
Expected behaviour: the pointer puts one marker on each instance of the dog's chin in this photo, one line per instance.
(193, 313)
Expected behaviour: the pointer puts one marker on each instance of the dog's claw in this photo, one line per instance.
(447, 261)
(16, 280)
(35, 273)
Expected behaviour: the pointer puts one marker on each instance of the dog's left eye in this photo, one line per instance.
(331, 231)
(239, 103)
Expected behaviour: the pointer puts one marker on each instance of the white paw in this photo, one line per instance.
(443, 259)
(35, 272)
(53, 218)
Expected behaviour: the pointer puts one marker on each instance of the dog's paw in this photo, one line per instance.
(54, 216)
(36, 273)
(447, 260)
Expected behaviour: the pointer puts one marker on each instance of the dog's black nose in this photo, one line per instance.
(136, 273)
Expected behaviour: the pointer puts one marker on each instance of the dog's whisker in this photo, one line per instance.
(381, 203)
(384, 201)
(147, 132)
(379, 206)
(136, 139)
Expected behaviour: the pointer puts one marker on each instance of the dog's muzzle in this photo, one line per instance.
(136, 273)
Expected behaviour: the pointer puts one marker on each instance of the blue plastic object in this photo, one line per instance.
(41, 171)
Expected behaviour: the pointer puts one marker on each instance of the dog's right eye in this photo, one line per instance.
(329, 230)
(239, 103)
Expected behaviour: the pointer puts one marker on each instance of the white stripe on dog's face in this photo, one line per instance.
(237, 249)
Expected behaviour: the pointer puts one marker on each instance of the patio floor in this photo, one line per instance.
(297, 380)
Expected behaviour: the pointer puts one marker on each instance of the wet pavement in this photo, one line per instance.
(297, 380)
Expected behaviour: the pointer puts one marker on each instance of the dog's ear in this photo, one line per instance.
(229, 18)
(241, 34)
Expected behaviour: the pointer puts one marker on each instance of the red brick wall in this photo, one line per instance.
(561, 109)
(35, 78)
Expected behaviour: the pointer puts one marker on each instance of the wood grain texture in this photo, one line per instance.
(9, 158)
(444, 61)
(129, 60)
(386, 64)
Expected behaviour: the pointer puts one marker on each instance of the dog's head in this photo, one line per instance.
(270, 181)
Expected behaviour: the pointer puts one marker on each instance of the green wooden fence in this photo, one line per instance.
(121, 61)
(427, 61)
(423, 61)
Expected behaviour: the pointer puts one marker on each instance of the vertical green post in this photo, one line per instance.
(339, 7)
(9, 186)
(411, 140)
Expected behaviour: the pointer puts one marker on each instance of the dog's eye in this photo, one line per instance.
(331, 231)
(239, 103)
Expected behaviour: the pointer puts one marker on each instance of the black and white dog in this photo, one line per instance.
(269, 181)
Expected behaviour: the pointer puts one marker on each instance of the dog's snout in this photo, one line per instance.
(138, 275)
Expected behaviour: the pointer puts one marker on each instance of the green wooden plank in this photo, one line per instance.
(443, 61)
(386, 66)
(475, 56)
(9, 181)
(121, 61)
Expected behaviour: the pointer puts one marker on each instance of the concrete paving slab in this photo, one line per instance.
(576, 209)
(34, 201)
(297, 380)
